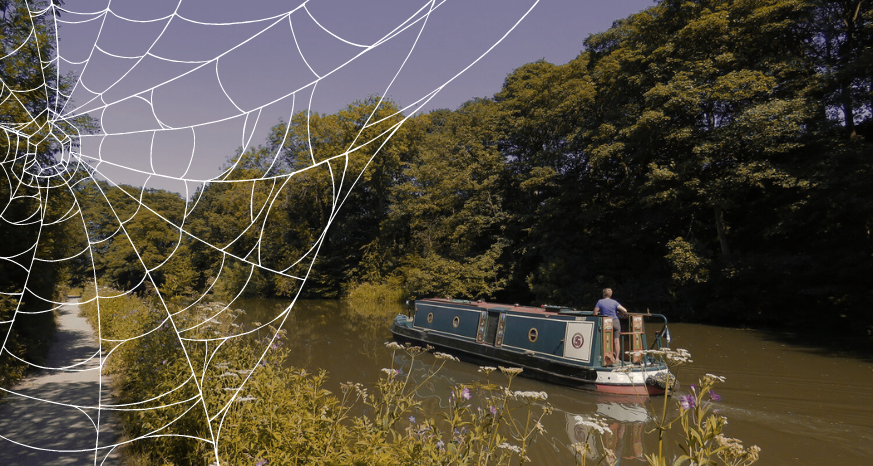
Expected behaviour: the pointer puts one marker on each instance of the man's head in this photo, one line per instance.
(607, 292)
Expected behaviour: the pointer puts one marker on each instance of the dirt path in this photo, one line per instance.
(58, 423)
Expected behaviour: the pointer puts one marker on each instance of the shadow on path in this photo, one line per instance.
(54, 413)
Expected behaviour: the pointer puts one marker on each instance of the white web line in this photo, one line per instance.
(28, 178)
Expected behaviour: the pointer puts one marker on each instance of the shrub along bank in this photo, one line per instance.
(188, 394)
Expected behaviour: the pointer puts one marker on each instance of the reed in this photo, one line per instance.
(369, 294)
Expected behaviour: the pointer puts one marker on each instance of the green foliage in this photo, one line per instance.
(686, 263)
(285, 415)
(373, 294)
(694, 156)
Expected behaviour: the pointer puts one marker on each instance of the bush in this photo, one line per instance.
(183, 378)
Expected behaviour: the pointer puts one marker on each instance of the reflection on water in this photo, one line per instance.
(799, 406)
(625, 421)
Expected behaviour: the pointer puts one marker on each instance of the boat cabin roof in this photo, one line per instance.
(544, 311)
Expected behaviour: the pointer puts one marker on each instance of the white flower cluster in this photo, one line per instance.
(487, 369)
(358, 388)
(512, 448)
(733, 451)
(713, 378)
(595, 423)
(528, 396)
(445, 356)
(623, 369)
(672, 357)
(393, 345)
(510, 371)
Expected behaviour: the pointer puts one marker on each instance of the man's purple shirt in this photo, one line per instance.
(608, 307)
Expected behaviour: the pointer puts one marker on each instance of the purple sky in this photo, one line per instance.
(160, 123)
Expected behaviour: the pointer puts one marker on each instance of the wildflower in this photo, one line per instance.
(391, 372)
(693, 388)
(623, 369)
(530, 396)
(714, 396)
(412, 419)
(713, 378)
(512, 448)
(465, 393)
(510, 371)
(261, 462)
(677, 357)
(687, 401)
(609, 456)
(732, 451)
(445, 356)
(580, 448)
(487, 369)
(393, 345)
(440, 444)
(593, 422)
(493, 410)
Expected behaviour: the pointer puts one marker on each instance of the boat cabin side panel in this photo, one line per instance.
(461, 321)
(535, 334)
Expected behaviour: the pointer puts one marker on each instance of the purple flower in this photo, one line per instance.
(440, 445)
(163, 362)
(261, 462)
(412, 419)
(687, 401)
(693, 388)
(465, 393)
(493, 410)
(714, 396)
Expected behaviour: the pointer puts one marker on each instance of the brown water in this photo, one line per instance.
(800, 406)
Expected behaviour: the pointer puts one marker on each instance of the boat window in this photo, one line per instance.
(532, 335)
(430, 317)
(456, 321)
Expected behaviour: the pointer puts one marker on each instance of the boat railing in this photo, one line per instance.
(627, 349)
(662, 337)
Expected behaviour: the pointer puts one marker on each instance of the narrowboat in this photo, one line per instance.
(552, 343)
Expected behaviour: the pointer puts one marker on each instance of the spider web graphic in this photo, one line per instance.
(101, 114)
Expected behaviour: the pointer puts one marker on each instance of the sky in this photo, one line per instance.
(179, 86)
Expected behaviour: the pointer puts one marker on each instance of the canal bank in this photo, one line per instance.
(52, 416)
(800, 404)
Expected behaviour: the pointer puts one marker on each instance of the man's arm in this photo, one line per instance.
(621, 309)
(596, 310)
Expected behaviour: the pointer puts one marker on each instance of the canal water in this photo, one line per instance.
(801, 405)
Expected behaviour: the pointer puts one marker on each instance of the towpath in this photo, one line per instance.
(55, 410)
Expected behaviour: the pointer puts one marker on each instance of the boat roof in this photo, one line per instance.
(544, 310)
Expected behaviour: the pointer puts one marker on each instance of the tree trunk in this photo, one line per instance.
(720, 228)
(848, 110)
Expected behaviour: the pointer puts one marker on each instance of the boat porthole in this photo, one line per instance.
(532, 335)
(430, 318)
(456, 321)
